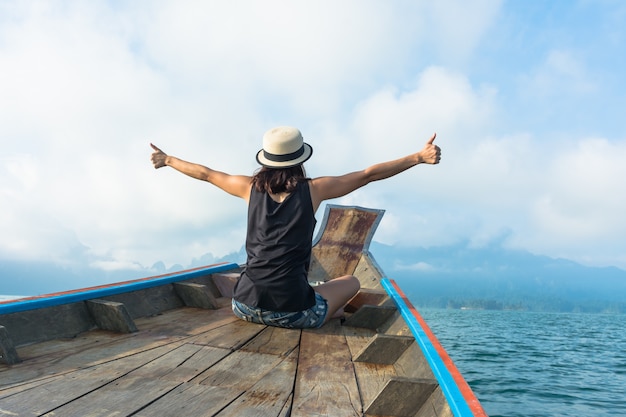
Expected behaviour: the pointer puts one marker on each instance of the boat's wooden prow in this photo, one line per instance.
(170, 346)
(345, 234)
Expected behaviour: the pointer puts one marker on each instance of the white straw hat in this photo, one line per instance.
(283, 147)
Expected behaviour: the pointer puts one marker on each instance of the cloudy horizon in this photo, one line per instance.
(526, 100)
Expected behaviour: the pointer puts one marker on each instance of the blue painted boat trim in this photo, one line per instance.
(89, 294)
(455, 398)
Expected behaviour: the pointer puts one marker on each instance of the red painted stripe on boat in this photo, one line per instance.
(464, 388)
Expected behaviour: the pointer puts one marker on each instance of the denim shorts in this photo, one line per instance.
(307, 319)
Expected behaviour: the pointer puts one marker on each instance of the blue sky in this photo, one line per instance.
(527, 99)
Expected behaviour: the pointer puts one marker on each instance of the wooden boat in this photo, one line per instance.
(170, 346)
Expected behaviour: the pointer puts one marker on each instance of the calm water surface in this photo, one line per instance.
(538, 364)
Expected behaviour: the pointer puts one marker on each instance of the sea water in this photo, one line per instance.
(538, 364)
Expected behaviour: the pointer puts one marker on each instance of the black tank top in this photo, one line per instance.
(278, 246)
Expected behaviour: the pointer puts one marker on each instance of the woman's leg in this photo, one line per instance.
(338, 292)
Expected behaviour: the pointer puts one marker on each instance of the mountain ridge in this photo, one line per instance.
(499, 278)
(452, 276)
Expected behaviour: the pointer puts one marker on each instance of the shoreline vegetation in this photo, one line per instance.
(545, 306)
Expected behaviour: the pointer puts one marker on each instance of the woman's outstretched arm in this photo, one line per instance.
(237, 185)
(325, 188)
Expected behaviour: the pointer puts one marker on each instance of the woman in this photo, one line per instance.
(273, 288)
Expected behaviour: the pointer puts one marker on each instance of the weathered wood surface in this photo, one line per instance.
(190, 356)
(195, 295)
(326, 383)
(66, 320)
(8, 354)
(111, 315)
(346, 234)
(197, 362)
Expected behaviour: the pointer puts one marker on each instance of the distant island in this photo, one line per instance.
(493, 278)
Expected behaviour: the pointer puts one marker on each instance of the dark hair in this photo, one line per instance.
(278, 180)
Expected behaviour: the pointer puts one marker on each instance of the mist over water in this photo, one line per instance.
(538, 364)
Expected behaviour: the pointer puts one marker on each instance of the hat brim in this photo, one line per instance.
(261, 159)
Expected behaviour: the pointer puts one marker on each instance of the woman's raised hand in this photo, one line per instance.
(431, 153)
(158, 157)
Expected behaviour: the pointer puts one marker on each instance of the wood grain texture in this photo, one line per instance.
(195, 295)
(401, 397)
(326, 382)
(269, 395)
(111, 315)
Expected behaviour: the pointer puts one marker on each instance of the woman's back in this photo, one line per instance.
(278, 247)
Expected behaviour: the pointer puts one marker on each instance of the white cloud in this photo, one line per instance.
(419, 266)
(304, 56)
(391, 123)
(547, 195)
(116, 265)
(86, 86)
(583, 202)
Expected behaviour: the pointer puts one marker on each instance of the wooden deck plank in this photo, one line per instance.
(182, 363)
(231, 336)
(326, 381)
(131, 362)
(274, 341)
(269, 396)
(331, 398)
(286, 411)
(119, 398)
(46, 354)
(54, 393)
(99, 346)
(30, 376)
(94, 354)
(190, 399)
(240, 370)
(17, 388)
(96, 347)
(202, 360)
(167, 362)
(65, 388)
(187, 321)
(173, 369)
